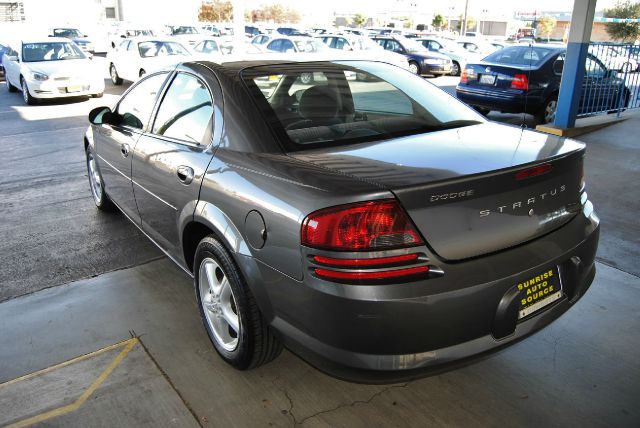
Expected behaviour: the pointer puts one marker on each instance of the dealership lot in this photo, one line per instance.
(107, 283)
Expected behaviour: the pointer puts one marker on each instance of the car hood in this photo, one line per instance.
(442, 155)
(62, 68)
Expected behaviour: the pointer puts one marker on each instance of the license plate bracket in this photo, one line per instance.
(74, 88)
(539, 291)
(487, 79)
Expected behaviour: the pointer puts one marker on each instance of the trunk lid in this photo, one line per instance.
(489, 75)
(460, 188)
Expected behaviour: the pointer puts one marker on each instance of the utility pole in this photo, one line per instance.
(463, 27)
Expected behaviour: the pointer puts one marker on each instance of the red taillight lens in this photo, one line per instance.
(355, 263)
(372, 276)
(464, 77)
(360, 227)
(520, 81)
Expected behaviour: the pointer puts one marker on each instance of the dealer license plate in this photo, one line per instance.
(538, 291)
(75, 88)
(487, 79)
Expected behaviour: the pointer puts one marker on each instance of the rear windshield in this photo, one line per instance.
(520, 55)
(333, 103)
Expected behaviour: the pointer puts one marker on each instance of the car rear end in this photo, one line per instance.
(513, 80)
(458, 242)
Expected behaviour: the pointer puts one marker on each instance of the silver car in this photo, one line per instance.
(377, 227)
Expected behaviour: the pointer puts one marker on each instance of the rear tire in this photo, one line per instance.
(226, 302)
(10, 87)
(142, 72)
(548, 112)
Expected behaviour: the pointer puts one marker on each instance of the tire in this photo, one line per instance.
(10, 87)
(26, 95)
(115, 78)
(306, 78)
(141, 72)
(455, 68)
(96, 184)
(548, 112)
(220, 285)
(414, 67)
(483, 111)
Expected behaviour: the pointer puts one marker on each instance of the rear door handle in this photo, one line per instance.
(185, 174)
(124, 150)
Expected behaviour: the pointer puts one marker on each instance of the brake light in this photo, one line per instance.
(520, 81)
(464, 77)
(360, 227)
(534, 171)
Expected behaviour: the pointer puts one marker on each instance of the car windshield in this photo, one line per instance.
(67, 32)
(520, 55)
(344, 102)
(310, 45)
(185, 30)
(413, 46)
(50, 51)
(156, 48)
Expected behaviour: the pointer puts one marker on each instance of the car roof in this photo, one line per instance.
(46, 39)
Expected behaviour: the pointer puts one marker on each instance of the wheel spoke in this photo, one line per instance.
(212, 281)
(231, 318)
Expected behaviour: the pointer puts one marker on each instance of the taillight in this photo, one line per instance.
(520, 81)
(376, 225)
(375, 262)
(372, 276)
(464, 77)
(533, 171)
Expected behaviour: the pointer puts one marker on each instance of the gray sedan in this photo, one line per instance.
(376, 227)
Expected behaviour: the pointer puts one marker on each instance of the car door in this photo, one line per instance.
(115, 142)
(170, 161)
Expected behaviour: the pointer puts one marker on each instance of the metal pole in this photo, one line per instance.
(463, 26)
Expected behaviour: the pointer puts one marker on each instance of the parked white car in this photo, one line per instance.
(186, 34)
(364, 45)
(458, 54)
(51, 68)
(137, 56)
(209, 49)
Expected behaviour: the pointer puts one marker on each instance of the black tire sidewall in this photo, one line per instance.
(242, 355)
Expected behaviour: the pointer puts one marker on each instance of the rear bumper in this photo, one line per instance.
(508, 101)
(390, 333)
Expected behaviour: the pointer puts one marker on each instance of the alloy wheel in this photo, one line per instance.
(455, 69)
(413, 67)
(219, 304)
(25, 92)
(550, 111)
(94, 179)
(114, 74)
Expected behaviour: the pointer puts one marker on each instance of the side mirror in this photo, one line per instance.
(100, 115)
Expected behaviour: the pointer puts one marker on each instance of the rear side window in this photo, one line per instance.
(520, 55)
(186, 110)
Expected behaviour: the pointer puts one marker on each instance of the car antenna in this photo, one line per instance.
(523, 125)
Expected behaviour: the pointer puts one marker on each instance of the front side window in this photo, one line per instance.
(54, 51)
(594, 68)
(186, 110)
(350, 101)
(135, 107)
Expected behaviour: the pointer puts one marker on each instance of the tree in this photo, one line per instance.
(546, 25)
(623, 31)
(359, 19)
(215, 11)
(437, 21)
(471, 22)
(275, 12)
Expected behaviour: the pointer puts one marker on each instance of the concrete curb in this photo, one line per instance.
(583, 126)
